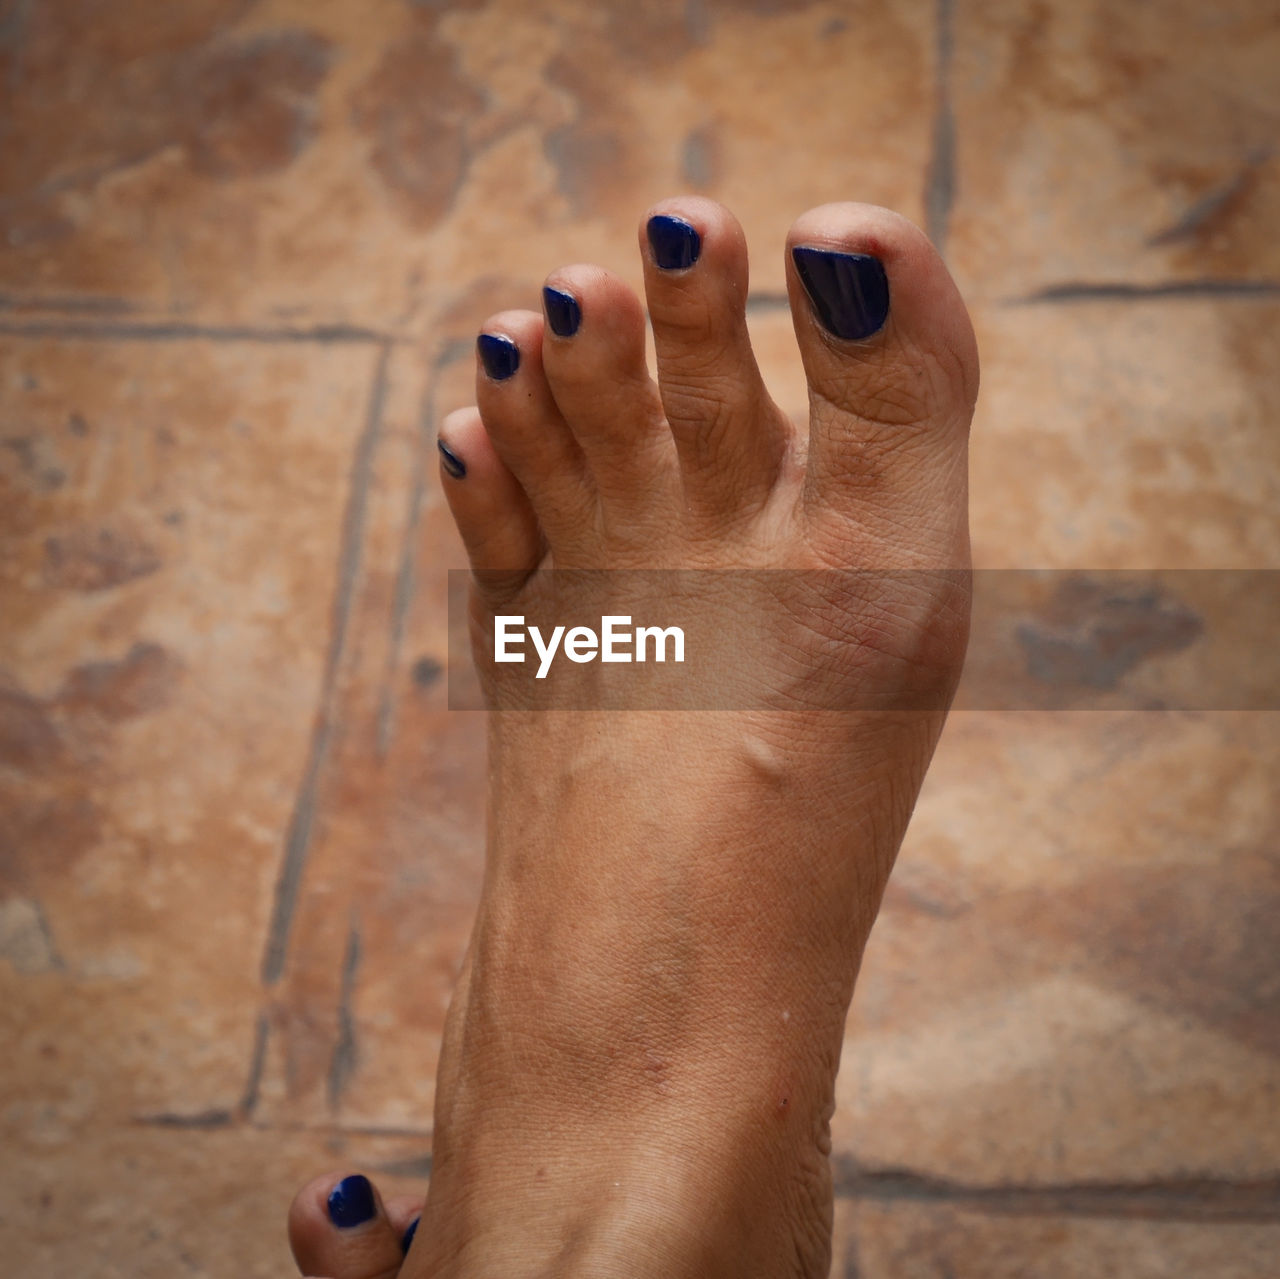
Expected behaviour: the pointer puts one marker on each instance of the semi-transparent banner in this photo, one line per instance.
(841, 640)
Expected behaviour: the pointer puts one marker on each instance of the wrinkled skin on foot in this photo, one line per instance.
(638, 1066)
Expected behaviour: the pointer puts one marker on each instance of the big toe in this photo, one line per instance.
(892, 366)
(341, 1228)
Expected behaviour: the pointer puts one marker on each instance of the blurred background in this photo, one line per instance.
(245, 246)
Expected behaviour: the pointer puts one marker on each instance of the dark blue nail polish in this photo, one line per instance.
(674, 242)
(409, 1234)
(849, 291)
(351, 1202)
(453, 464)
(563, 312)
(499, 355)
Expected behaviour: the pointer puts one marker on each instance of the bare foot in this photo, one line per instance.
(638, 1066)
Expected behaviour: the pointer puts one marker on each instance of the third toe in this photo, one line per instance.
(593, 352)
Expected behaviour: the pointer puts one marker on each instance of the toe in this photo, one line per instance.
(492, 511)
(731, 437)
(593, 352)
(892, 367)
(526, 427)
(340, 1227)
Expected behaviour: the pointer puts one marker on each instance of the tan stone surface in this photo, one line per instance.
(134, 1203)
(245, 249)
(1128, 435)
(302, 164)
(1072, 978)
(1101, 144)
(164, 643)
(912, 1241)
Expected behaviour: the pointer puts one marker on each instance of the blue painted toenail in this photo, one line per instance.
(409, 1234)
(674, 242)
(563, 312)
(849, 291)
(351, 1202)
(499, 355)
(451, 461)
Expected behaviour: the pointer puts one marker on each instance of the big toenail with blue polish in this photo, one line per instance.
(351, 1202)
(849, 291)
(499, 355)
(563, 312)
(675, 243)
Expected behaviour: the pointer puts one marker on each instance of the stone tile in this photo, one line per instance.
(1071, 979)
(1102, 145)
(391, 873)
(208, 543)
(175, 513)
(135, 1203)
(292, 164)
(1109, 436)
(773, 338)
(915, 1241)
(1127, 436)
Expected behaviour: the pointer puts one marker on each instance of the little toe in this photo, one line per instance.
(340, 1227)
(731, 437)
(526, 427)
(892, 367)
(492, 511)
(593, 352)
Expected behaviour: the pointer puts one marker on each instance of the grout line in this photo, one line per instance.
(1206, 1200)
(68, 304)
(414, 1166)
(348, 1130)
(214, 1119)
(1118, 291)
(1212, 203)
(852, 1268)
(406, 573)
(767, 302)
(940, 180)
(142, 331)
(1203, 1199)
(298, 836)
(406, 570)
(257, 1064)
(343, 1061)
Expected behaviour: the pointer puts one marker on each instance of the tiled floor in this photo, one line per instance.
(246, 244)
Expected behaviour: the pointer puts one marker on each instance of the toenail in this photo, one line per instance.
(351, 1202)
(563, 312)
(499, 355)
(451, 461)
(675, 243)
(849, 291)
(409, 1234)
